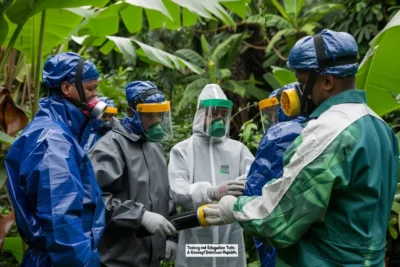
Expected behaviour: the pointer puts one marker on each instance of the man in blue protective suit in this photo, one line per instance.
(131, 170)
(268, 162)
(98, 128)
(57, 202)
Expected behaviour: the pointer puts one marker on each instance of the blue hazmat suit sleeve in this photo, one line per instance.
(107, 158)
(56, 179)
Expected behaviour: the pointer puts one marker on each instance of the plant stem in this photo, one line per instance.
(38, 65)
(11, 44)
(247, 107)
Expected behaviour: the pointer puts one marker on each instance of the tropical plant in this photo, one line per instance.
(364, 19)
(216, 60)
(296, 19)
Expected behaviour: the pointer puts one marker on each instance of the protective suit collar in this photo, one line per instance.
(132, 124)
(210, 91)
(348, 96)
(59, 107)
(120, 127)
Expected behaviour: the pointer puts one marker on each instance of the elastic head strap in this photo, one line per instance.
(142, 97)
(78, 79)
(323, 62)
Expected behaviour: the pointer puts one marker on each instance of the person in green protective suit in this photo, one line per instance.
(332, 204)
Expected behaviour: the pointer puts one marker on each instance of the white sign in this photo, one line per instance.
(211, 250)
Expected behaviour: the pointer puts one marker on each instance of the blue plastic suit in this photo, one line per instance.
(303, 56)
(51, 183)
(133, 90)
(268, 164)
(95, 129)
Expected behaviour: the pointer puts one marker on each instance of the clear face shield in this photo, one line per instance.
(268, 112)
(156, 120)
(217, 116)
(106, 119)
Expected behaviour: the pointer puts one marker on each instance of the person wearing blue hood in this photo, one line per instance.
(57, 202)
(131, 170)
(280, 131)
(332, 204)
(98, 128)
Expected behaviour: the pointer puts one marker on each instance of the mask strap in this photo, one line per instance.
(78, 79)
(142, 97)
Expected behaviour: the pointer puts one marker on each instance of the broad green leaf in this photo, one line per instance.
(192, 91)
(237, 6)
(60, 23)
(277, 37)
(204, 8)
(254, 91)
(15, 246)
(166, 59)
(283, 76)
(4, 29)
(393, 220)
(227, 60)
(247, 133)
(299, 7)
(277, 22)
(396, 207)
(378, 74)
(310, 27)
(125, 47)
(105, 22)
(315, 14)
(6, 139)
(234, 87)
(132, 17)
(191, 56)
(205, 46)
(4, 5)
(393, 232)
(155, 19)
(79, 39)
(222, 74)
(175, 12)
(107, 47)
(281, 9)
(189, 18)
(21, 10)
(290, 6)
(222, 49)
(151, 4)
(256, 19)
(271, 80)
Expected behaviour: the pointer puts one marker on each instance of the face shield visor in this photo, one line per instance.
(156, 120)
(106, 119)
(268, 112)
(217, 116)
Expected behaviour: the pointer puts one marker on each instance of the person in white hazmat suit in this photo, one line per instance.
(203, 169)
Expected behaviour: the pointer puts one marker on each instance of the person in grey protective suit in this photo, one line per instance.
(131, 170)
(203, 169)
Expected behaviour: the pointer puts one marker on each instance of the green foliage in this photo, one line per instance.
(296, 20)
(6, 139)
(364, 19)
